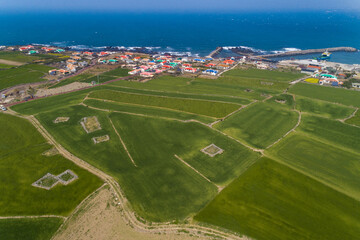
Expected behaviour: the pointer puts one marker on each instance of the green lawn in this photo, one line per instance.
(260, 124)
(117, 72)
(24, 74)
(330, 94)
(29, 228)
(327, 163)
(146, 110)
(322, 108)
(271, 201)
(354, 120)
(22, 163)
(206, 108)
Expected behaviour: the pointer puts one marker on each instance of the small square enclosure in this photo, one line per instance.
(47, 182)
(212, 150)
(90, 124)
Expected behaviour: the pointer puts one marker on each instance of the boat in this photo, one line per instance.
(325, 56)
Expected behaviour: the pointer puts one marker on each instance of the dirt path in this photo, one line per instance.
(122, 142)
(99, 218)
(121, 201)
(13, 63)
(63, 89)
(351, 116)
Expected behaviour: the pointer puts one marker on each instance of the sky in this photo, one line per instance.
(179, 5)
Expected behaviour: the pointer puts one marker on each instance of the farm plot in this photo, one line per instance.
(195, 86)
(228, 99)
(271, 201)
(330, 94)
(145, 110)
(159, 187)
(29, 228)
(264, 75)
(206, 108)
(260, 124)
(22, 163)
(328, 164)
(322, 108)
(18, 57)
(333, 132)
(78, 78)
(24, 74)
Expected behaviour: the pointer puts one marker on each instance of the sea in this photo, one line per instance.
(193, 34)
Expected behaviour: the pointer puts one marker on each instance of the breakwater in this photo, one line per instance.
(215, 52)
(310, 51)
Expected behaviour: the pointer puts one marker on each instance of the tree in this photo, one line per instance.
(31, 91)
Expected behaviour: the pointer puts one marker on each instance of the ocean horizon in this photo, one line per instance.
(195, 34)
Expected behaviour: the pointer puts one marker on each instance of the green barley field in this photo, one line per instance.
(300, 186)
(22, 163)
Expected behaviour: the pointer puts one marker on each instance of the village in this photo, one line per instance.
(65, 64)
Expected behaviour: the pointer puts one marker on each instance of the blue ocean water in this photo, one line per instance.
(188, 32)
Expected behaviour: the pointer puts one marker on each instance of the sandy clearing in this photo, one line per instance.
(13, 63)
(63, 89)
(99, 219)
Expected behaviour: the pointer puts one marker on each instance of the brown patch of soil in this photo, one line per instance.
(99, 218)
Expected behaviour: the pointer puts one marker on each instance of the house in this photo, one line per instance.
(33, 52)
(210, 72)
(71, 67)
(88, 53)
(63, 71)
(113, 61)
(146, 74)
(229, 62)
(76, 57)
(199, 60)
(223, 66)
(59, 50)
(356, 85)
(210, 65)
(190, 70)
(82, 64)
(53, 72)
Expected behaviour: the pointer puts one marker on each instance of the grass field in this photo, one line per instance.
(146, 110)
(29, 228)
(24, 74)
(271, 201)
(322, 108)
(5, 66)
(264, 74)
(206, 108)
(161, 187)
(327, 163)
(260, 124)
(332, 132)
(330, 94)
(18, 57)
(217, 87)
(354, 120)
(78, 78)
(22, 163)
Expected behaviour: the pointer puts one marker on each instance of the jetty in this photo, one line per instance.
(309, 51)
(215, 52)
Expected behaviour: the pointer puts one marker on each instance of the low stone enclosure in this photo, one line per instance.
(100, 139)
(49, 180)
(90, 124)
(61, 119)
(212, 150)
